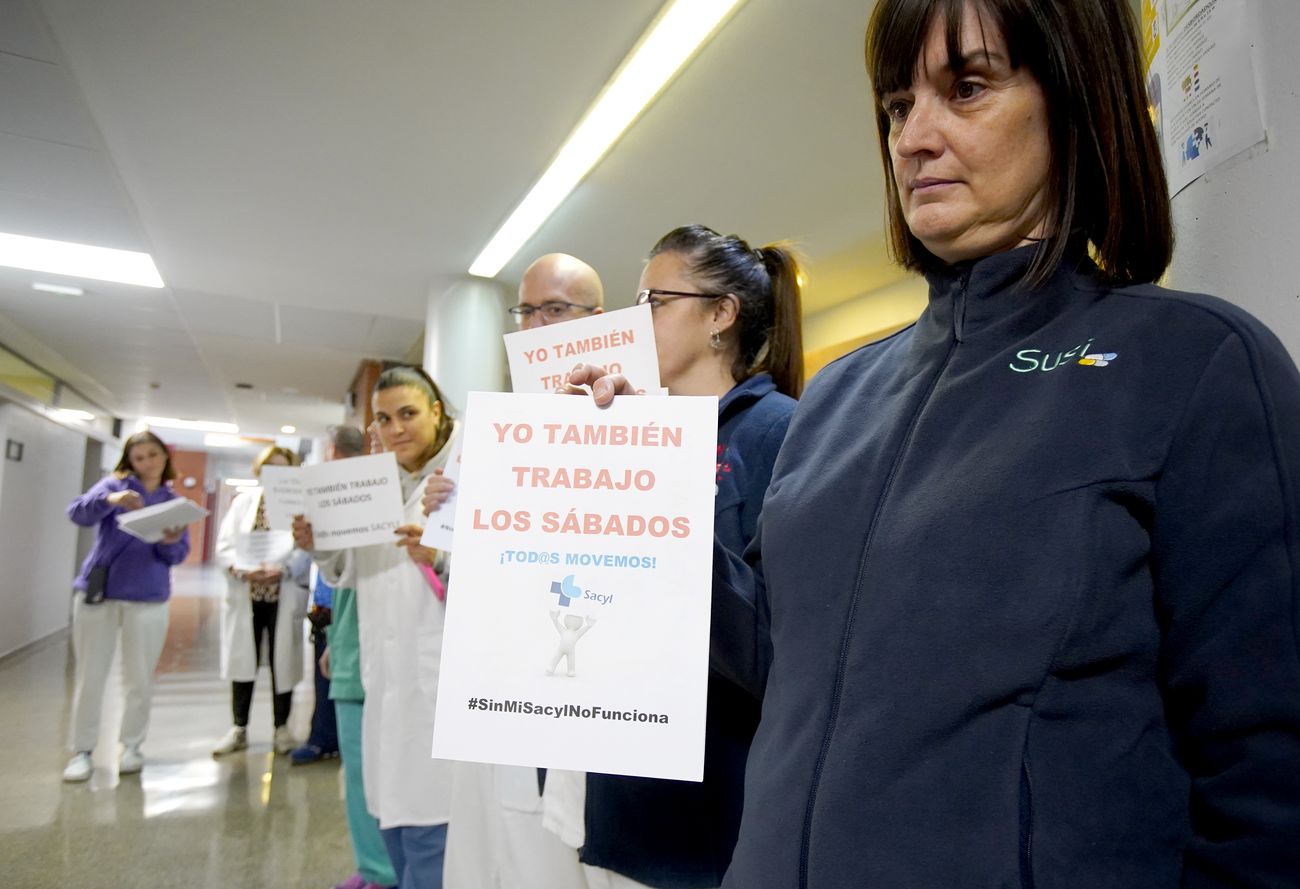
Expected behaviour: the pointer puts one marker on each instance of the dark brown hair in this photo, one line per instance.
(1106, 184)
(273, 451)
(416, 378)
(123, 467)
(765, 282)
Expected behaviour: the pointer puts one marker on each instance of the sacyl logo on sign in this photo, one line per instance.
(568, 591)
(1030, 360)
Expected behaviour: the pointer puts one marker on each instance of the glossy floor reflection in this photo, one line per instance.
(249, 820)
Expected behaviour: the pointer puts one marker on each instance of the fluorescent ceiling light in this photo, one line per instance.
(78, 260)
(196, 425)
(288, 430)
(679, 32)
(69, 413)
(57, 288)
(219, 440)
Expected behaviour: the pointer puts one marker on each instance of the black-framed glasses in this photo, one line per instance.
(552, 310)
(654, 298)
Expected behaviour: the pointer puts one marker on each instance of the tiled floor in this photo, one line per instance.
(188, 821)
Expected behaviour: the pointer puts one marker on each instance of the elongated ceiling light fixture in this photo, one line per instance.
(78, 260)
(194, 425)
(221, 440)
(61, 289)
(681, 29)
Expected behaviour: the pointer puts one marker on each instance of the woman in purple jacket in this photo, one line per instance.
(134, 600)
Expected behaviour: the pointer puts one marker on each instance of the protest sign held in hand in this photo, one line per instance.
(441, 526)
(577, 626)
(621, 342)
(282, 493)
(255, 550)
(353, 502)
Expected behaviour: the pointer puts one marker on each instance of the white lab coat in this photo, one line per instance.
(400, 624)
(497, 840)
(238, 657)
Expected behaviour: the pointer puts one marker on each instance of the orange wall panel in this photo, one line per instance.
(193, 465)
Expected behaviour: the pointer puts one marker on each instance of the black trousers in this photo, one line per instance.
(242, 692)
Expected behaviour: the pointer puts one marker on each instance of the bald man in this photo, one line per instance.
(496, 839)
(558, 287)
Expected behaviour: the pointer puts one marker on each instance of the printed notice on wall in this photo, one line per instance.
(353, 502)
(577, 628)
(1201, 84)
(621, 342)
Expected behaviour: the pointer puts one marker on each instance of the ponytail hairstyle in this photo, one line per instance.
(123, 467)
(415, 377)
(765, 282)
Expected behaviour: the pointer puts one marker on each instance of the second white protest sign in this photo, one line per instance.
(622, 342)
(353, 502)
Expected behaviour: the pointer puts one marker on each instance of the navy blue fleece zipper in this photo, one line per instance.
(837, 691)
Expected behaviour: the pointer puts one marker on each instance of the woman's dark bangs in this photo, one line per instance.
(897, 42)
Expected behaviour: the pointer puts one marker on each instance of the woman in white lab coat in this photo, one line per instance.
(400, 610)
(269, 603)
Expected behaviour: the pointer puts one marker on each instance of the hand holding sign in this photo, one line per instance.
(604, 384)
(437, 491)
(302, 534)
(408, 536)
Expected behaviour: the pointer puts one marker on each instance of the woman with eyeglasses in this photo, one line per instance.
(727, 323)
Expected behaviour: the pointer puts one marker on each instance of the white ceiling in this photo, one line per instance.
(334, 162)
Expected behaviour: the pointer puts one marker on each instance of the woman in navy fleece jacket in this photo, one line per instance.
(1023, 603)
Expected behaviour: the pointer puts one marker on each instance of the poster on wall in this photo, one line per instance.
(577, 627)
(1201, 84)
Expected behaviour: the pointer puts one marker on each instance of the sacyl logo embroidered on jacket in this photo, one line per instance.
(1030, 360)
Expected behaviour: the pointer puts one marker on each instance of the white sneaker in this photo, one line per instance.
(78, 768)
(132, 760)
(232, 742)
(283, 741)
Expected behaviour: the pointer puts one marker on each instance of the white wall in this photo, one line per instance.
(1239, 226)
(38, 544)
